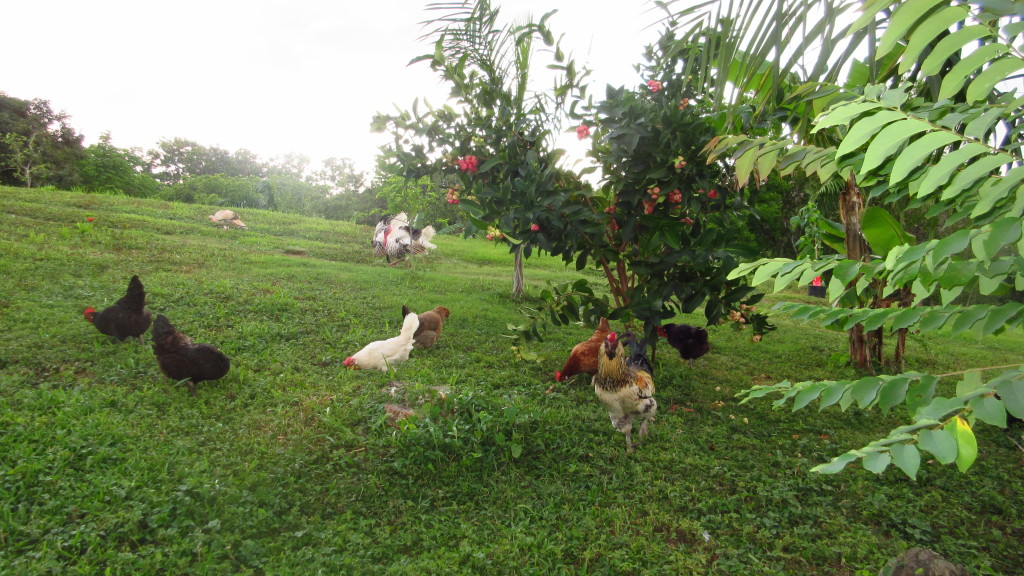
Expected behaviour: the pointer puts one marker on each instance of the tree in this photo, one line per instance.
(339, 175)
(104, 167)
(497, 142)
(37, 145)
(942, 134)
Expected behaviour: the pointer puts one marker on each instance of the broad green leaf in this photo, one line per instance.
(948, 295)
(832, 394)
(906, 457)
(987, 79)
(907, 317)
(939, 174)
(999, 317)
(902, 20)
(938, 409)
(970, 382)
(843, 113)
(994, 236)
(973, 171)
(968, 317)
(768, 270)
(893, 392)
(882, 231)
(966, 443)
(864, 129)
(917, 151)
(989, 410)
(889, 139)
(953, 244)
(805, 396)
(876, 462)
(950, 45)
(744, 164)
(865, 390)
(997, 188)
(926, 33)
(940, 443)
(1012, 395)
(836, 465)
(957, 76)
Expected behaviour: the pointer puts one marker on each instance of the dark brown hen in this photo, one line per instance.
(127, 318)
(181, 359)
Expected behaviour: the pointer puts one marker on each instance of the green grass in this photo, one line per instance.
(289, 465)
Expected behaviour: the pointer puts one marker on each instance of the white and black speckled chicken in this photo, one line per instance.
(394, 239)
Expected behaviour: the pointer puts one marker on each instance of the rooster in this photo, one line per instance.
(690, 341)
(384, 353)
(394, 237)
(128, 316)
(431, 324)
(225, 217)
(583, 357)
(180, 359)
(626, 390)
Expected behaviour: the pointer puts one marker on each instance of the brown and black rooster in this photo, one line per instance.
(127, 318)
(180, 359)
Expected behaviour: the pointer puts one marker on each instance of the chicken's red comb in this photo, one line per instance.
(88, 313)
(662, 332)
(558, 375)
(612, 336)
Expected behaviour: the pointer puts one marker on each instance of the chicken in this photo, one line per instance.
(384, 353)
(394, 237)
(181, 359)
(583, 357)
(627, 391)
(431, 324)
(128, 316)
(225, 217)
(690, 341)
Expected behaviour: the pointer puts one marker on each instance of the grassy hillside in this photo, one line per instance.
(289, 465)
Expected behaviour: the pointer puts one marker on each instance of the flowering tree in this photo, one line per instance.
(496, 142)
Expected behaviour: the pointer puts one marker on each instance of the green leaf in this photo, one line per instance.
(987, 79)
(973, 171)
(970, 382)
(836, 465)
(917, 151)
(882, 231)
(1012, 395)
(901, 21)
(968, 317)
(865, 390)
(999, 317)
(953, 244)
(907, 458)
(966, 443)
(516, 449)
(805, 396)
(832, 394)
(957, 76)
(893, 392)
(939, 442)
(950, 45)
(989, 410)
(939, 408)
(994, 236)
(864, 129)
(768, 270)
(926, 33)
(889, 139)
(940, 173)
(876, 462)
(843, 113)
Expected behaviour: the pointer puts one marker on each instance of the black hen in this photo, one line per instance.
(691, 341)
(180, 359)
(127, 318)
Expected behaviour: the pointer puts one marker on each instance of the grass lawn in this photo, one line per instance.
(290, 465)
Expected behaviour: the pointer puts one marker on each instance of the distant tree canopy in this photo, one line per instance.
(38, 147)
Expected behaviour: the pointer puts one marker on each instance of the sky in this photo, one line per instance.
(270, 76)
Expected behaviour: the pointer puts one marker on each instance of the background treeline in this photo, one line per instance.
(40, 148)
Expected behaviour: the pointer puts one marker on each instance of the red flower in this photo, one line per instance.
(654, 85)
(535, 227)
(610, 209)
(582, 131)
(654, 192)
(712, 194)
(675, 196)
(684, 103)
(648, 207)
(686, 221)
(89, 219)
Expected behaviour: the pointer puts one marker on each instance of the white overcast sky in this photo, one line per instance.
(270, 76)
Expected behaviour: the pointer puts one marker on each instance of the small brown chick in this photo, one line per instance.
(431, 325)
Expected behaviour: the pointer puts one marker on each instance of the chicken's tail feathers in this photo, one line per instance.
(427, 233)
(405, 311)
(135, 295)
(409, 325)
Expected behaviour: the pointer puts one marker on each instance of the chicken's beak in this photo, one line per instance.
(350, 362)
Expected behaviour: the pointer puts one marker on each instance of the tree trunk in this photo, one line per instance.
(518, 289)
(851, 207)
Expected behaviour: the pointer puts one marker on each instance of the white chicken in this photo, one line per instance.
(384, 353)
(394, 237)
(225, 217)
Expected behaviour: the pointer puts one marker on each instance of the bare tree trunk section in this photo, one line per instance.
(518, 288)
(851, 207)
